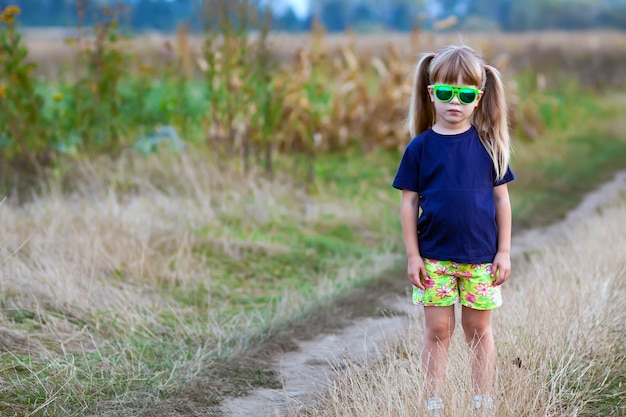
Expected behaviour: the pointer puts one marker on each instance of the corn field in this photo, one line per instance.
(252, 100)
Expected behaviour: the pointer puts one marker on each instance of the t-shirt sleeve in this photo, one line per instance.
(407, 176)
(508, 177)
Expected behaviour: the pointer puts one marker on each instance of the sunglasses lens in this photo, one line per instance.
(467, 96)
(444, 93)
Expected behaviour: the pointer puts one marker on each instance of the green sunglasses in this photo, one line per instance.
(445, 93)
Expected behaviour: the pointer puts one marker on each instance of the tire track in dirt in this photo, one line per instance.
(309, 368)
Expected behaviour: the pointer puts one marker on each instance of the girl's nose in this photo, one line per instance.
(455, 99)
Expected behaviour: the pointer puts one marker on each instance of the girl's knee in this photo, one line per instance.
(476, 327)
(440, 331)
(476, 333)
(477, 324)
(439, 323)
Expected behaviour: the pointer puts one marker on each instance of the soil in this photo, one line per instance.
(313, 363)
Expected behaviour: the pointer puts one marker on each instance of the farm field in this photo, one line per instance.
(150, 273)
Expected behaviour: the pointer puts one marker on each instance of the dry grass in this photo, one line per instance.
(560, 338)
(104, 283)
(128, 234)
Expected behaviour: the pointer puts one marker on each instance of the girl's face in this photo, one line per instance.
(454, 115)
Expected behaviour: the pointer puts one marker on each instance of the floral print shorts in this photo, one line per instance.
(449, 283)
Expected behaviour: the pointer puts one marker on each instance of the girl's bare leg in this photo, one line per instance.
(439, 325)
(479, 336)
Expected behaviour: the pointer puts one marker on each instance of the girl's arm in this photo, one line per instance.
(502, 260)
(416, 270)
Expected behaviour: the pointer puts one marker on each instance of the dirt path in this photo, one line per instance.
(307, 370)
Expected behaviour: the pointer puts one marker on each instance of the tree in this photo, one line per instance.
(450, 6)
(401, 19)
(334, 16)
(526, 15)
(615, 17)
(490, 9)
(57, 11)
(576, 14)
(289, 21)
(153, 14)
(362, 13)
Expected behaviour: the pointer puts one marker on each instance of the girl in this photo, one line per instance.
(456, 170)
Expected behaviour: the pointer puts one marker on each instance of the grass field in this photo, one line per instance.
(164, 281)
(559, 338)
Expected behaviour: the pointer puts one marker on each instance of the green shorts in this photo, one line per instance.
(449, 283)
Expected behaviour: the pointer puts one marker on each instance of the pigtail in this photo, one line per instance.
(422, 114)
(491, 121)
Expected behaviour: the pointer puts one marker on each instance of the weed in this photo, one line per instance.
(24, 135)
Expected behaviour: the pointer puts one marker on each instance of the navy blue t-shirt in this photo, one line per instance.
(455, 178)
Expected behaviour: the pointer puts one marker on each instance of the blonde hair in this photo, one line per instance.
(490, 117)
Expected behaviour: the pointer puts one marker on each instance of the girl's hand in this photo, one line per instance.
(416, 271)
(501, 268)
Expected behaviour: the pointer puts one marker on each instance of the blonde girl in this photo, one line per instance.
(454, 174)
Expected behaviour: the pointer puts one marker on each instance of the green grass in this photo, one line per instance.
(276, 256)
(579, 149)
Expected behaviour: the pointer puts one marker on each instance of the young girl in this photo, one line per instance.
(455, 170)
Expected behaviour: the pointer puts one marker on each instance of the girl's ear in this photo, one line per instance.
(480, 95)
(431, 93)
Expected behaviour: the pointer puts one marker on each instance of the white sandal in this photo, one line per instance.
(434, 407)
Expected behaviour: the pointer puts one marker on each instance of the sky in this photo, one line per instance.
(301, 7)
